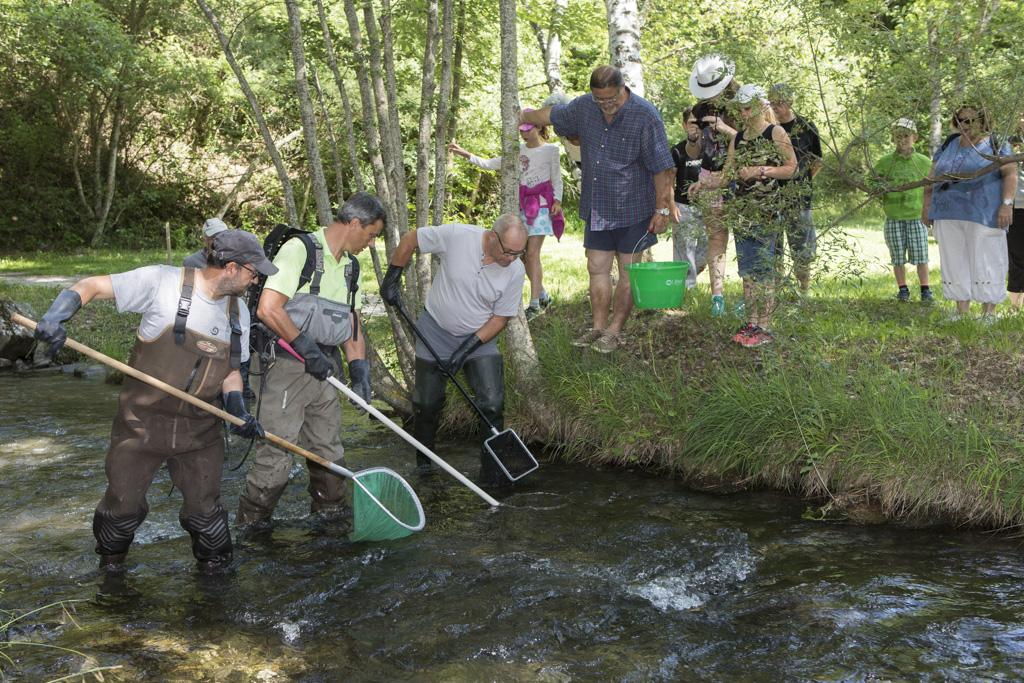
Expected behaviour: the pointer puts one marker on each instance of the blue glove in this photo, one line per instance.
(235, 404)
(466, 348)
(50, 328)
(359, 376)
(317, 364)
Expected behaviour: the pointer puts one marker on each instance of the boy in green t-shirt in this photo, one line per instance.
(905, 234)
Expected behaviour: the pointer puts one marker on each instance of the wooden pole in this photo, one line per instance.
(167, 235)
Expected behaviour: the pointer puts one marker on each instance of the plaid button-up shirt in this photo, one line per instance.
(619, 158)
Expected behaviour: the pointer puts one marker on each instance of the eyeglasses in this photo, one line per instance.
(252, 271)
(966, 122)
(604, 101)
(505, 251)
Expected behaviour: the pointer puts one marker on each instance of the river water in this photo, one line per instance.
(584, 575)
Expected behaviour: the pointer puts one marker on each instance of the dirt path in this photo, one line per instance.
(48, 280)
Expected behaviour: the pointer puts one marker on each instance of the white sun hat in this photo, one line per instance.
(750, 92)
(711, 74)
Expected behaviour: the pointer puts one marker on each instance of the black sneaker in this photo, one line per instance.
(532, 311)
(545, 301)
(927, 297)
(903, 296)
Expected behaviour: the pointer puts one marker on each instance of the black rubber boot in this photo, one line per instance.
(486, 376)
(211, 539)
(114, 535)
(427, 402)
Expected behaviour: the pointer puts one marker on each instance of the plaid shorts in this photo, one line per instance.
(907, 241)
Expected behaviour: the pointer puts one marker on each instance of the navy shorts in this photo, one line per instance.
(755, 253)
(630, 240)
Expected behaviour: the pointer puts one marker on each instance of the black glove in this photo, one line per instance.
(359, 376)
(391, 286)
(235, 404)
(50, 328)
(317, 363)
(457, 359)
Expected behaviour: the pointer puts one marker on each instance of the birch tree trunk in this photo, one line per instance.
(935, 78)
(624, 23)
(339, 167)
(427, 87)
(233, 194)
(113, 149)
(550, 42)
(373, 143)
(453, 114)
(441, 123)
(261, 122)
(316, 169)
(404, 348)
(520, 346)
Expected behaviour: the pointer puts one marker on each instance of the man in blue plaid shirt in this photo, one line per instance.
(626, 199)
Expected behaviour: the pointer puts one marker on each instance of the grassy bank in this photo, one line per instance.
(871, 409)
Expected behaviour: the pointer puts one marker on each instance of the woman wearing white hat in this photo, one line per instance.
(761, 158)
(713, 82)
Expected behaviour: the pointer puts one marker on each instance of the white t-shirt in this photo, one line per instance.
(154, 291)
(465, 293)
(535, 166)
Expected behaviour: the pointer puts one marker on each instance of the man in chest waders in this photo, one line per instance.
(194, 335)
(477, 289)
(314, 317)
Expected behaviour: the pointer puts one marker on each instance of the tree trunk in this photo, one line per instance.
(460, 32)
(230, 199)
(113, 149)
(520, 343)
(316, 169)
(441, 123)
(339, 167)
(261, 123)
(427, 88)
(935, 106)
(404, 347)
(624, 24)
(372, 140)
(550, 42)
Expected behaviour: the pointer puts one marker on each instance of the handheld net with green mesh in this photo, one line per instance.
(384, 506)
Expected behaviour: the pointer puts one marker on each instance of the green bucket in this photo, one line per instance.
(659, 284)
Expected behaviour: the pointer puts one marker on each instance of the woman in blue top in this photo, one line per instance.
(971, 214)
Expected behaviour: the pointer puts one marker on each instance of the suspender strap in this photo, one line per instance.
(318, 266)
(184, 304)
(236, 334)
(352, 284)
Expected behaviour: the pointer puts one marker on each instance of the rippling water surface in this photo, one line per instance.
(583, 575)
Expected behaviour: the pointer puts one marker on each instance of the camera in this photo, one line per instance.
(704, 110)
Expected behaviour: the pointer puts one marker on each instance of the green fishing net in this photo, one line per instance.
(384, 506)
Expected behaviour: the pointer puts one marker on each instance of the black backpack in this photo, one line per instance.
(312, 270)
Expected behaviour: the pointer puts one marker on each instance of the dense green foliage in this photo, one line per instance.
(145, 81)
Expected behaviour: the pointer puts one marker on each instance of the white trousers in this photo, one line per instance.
(974, 261)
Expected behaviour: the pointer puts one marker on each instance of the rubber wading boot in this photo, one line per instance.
(427, 402)
(113, 564)
(211, 539)
(486, 376)
(251, 515)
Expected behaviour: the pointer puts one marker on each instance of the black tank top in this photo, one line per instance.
(759, 151)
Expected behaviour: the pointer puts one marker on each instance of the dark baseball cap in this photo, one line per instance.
(242, 248)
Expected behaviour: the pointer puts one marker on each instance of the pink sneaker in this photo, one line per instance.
(757, 337)
(743, 333)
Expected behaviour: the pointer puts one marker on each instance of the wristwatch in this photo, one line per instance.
(663, 211)
(1007, 202)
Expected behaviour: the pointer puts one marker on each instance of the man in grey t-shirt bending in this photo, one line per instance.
(477, 288)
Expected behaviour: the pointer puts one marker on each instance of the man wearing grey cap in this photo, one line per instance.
(800, 232)
(194, 335)
(211, 227)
